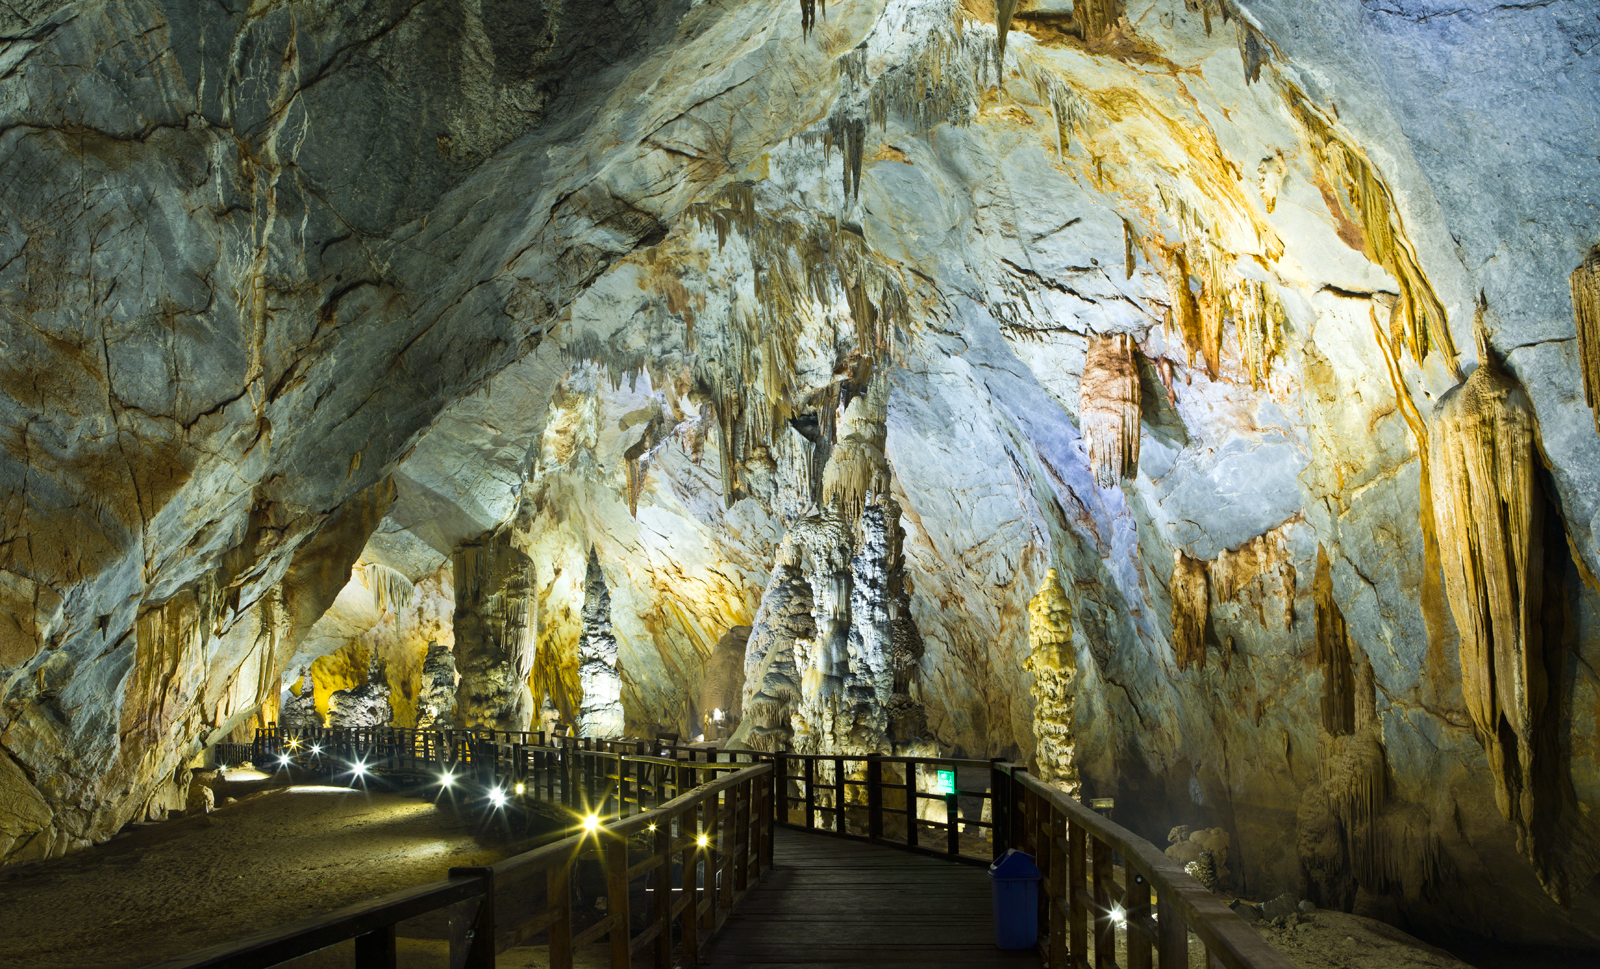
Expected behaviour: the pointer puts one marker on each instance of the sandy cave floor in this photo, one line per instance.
(162, 890)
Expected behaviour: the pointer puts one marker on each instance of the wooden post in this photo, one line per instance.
(616, 855)
(473, 946)
(662, 881)
(811, 793)
(776, 799)
(838, 795)
(744, 804)
(875, 796)
(999, 811)
(1078, 929)
(911, 803)
(1057, 917)
(1105, 940)
(722, 845)
(1136, 905)
(558, 896)
(952, 822)
(1172, 935)
(690, 926)
(375, 950)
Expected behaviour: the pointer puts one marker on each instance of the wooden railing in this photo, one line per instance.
(693, 857)
(1076, 851)
(1089, 905)
(892, 800)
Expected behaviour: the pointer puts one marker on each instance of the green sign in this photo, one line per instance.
(947, 782)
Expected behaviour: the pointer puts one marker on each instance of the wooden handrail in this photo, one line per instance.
(1074, 846)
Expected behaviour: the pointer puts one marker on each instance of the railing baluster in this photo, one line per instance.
(616, 862)
(558, 898)
(1078, 913)
(1136, 906)
(875, 796)
(1172, 934)
(1057, 873)
(1105, 950)
(375, 950)
(811, 792)
(911, 803)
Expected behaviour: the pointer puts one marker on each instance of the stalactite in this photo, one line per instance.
(1097, 18)
(1003, 12)
(848, 132)
(1054, 665)
(808, 15)
(1191, 609)
(1352, 184)
(1253, 50)
(1484, 453)
(1258, 571)
(748, 362)
(1201, 329)
(857, 467)
(1108, 408)
(391, 591)
(1333, 654)
(1259, 319)
(1586, 317)
(1067, 108)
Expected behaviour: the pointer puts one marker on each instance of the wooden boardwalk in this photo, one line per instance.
(835, 903)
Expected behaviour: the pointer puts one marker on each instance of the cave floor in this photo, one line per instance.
(166, 889)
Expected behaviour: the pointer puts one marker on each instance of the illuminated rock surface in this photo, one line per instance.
(306, 304)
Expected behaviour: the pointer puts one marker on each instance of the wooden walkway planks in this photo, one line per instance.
(835, 903)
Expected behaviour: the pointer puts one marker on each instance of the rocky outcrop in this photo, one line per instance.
(366, 705)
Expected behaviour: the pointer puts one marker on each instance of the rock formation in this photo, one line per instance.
(601, 712)
(1585, 283)
(366, 705)
(436, 699)
(494, 634)
(1108, 406)
(1191, 609)
(1053, 661)
(298, 708)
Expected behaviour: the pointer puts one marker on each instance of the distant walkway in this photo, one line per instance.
(839, 903)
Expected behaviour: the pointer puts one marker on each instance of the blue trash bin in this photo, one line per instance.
(1014, 880)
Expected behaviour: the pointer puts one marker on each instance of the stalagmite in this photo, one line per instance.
(436, 698)
(1191, 609)
(494, 633)
(771, 680)
(600, 710)
(366, 705)
(1483, 450)
(1054, 665)
(1108, 406)
(722, 684)
(1585, 283)
(299, 709)
(869, 670)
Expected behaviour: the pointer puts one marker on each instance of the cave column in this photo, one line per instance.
(494, 634)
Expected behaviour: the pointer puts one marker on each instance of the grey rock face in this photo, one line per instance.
(299, 710)
(366, 705)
